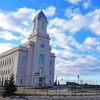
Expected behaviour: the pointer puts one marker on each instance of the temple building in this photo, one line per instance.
(32, 63)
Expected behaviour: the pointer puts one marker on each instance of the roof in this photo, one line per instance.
(40, 16)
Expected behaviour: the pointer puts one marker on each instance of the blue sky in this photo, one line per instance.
(73, 26)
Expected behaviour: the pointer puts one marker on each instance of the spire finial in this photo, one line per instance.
(41, 9)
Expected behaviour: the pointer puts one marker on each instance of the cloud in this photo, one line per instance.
(50, 11)
(77, 21)
(6, 46)
(77, 64)
(20, 22)
(94, 26)
(70, 12)
(90, 41)
(8, 35)
(73, 1)
(98, 48)
(67, 25)
(87, 4)
(72, 57)
(91, 44)
(10, 23)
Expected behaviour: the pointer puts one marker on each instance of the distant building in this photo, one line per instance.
(31, 63)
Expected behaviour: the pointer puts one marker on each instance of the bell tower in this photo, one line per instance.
(40, 24)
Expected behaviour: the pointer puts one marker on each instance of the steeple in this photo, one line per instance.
(40, 23)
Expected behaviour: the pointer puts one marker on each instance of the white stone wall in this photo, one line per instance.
(11, 63)
(48, 71)
(21, 68)
(8, 66)
(29, 68)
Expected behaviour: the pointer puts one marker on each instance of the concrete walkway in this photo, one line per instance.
(53, 98)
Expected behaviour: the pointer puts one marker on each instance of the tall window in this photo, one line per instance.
(42, 45)
(23, 59)
(43, 25)
(41, 70)
(51, 63)
(41, 59)
(35, 25)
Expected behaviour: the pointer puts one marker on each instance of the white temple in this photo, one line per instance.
(31, 63)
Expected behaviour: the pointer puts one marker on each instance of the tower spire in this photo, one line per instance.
(40, 23)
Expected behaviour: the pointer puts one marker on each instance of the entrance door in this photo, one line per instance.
(41, 81)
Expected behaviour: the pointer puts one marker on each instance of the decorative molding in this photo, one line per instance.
(19, 48)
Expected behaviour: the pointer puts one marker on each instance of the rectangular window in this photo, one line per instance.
(41, 59)
(41, 70)
(23, 59)
(51, 63)
(50, 72)
(43, 24)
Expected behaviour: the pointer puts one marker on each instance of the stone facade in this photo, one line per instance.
(31, 63)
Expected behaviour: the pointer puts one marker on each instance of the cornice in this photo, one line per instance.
(12, 51)
(39, 35)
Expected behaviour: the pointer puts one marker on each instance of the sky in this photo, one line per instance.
(74, 29)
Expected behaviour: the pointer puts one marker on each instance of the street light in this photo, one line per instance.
(78, 81)
(36, 74)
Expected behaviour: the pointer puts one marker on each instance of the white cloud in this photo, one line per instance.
(72, 25)
(95, 27)
(24, 41)
(77, 65)
(6, 46)
(59, 37)
(20, 21)
(78, 21)
(70, 12)
(50, 11)
(73, 1)
(24, 13)
(8, 35)
(98, 48)
(11, 24)
(87, 4)
(90, 41)
(75, 58)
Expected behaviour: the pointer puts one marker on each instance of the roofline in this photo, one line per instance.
(11, 51)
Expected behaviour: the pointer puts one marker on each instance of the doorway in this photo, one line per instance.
(41, 81)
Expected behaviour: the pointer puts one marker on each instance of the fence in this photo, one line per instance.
(58, 91)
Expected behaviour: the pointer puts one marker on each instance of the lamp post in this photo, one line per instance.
(35, 75)
(78, 81)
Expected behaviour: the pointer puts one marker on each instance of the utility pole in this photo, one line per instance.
(78, 81)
